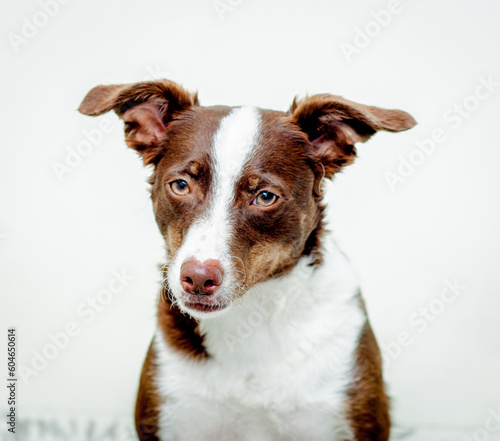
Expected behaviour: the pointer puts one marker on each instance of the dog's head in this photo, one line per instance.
(236, 191)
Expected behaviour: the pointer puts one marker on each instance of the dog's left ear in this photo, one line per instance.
(334, 124)
(146, 108)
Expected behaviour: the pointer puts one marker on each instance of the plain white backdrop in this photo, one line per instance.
(410, 221)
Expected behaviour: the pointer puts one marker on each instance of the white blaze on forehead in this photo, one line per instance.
(209, 236)
(233, 145)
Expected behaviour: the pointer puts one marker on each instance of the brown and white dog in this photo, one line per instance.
(262, 334)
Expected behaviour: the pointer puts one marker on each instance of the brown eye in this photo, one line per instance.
(265, 199)
(180, 187)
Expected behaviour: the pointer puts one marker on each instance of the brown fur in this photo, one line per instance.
(180, 330)
(146, 109)
(186, 155)
(271, 242)
(334, 124)
(368, 405)
(148, 400)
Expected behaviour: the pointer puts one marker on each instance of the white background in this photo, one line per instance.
(60, 241)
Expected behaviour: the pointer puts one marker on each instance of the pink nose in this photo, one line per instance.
(201, 278)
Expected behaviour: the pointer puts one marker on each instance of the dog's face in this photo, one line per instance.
(233, 197)
(236, 191)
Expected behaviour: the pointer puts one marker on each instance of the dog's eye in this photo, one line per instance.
(180, 187)
(265, 199)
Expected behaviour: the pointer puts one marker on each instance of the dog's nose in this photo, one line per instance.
(201, 278)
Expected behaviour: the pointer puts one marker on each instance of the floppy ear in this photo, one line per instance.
(334, 124)
(146, 108)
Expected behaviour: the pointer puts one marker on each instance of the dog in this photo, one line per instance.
(261, 330)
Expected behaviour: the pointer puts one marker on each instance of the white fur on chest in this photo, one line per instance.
(281, 361)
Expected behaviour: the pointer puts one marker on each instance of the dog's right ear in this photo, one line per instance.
(146, 108)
